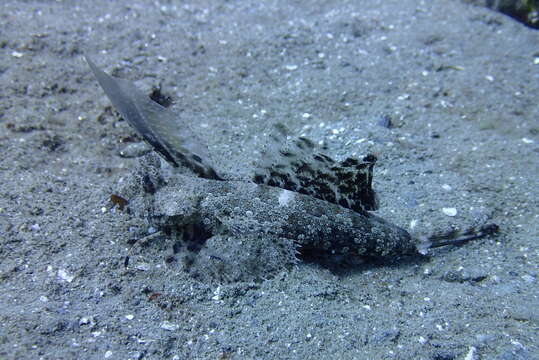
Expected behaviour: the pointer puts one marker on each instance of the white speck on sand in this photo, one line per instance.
(285, 197)
(64, 276)
(449, 211)
(167, 325)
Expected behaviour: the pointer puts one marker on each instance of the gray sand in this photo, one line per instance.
(459, 83)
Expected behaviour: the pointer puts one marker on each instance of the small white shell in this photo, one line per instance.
(449, 211)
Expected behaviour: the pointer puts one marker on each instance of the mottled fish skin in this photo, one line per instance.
(160, 127)
(311, 223)
(242, 231)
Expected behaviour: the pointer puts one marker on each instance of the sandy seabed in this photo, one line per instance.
(458, 83)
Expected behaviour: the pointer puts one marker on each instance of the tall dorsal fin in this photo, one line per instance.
(297, 165)
(160, 127)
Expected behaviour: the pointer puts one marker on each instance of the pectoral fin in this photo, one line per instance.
(160, 127)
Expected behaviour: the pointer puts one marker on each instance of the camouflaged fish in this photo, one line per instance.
(298, 203)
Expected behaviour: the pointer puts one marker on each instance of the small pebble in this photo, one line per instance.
(143, 266)
(449, 211)
(484, 339)
(134, 150)
(64, 276)
(166, 325)
(86, 320)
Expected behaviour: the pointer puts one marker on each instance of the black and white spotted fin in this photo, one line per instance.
(160, 127)
(298, 166)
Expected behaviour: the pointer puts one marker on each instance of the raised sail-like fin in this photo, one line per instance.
(162, 128)
(297, 165)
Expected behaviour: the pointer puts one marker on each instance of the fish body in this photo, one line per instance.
(243, 231)
(299, 202)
